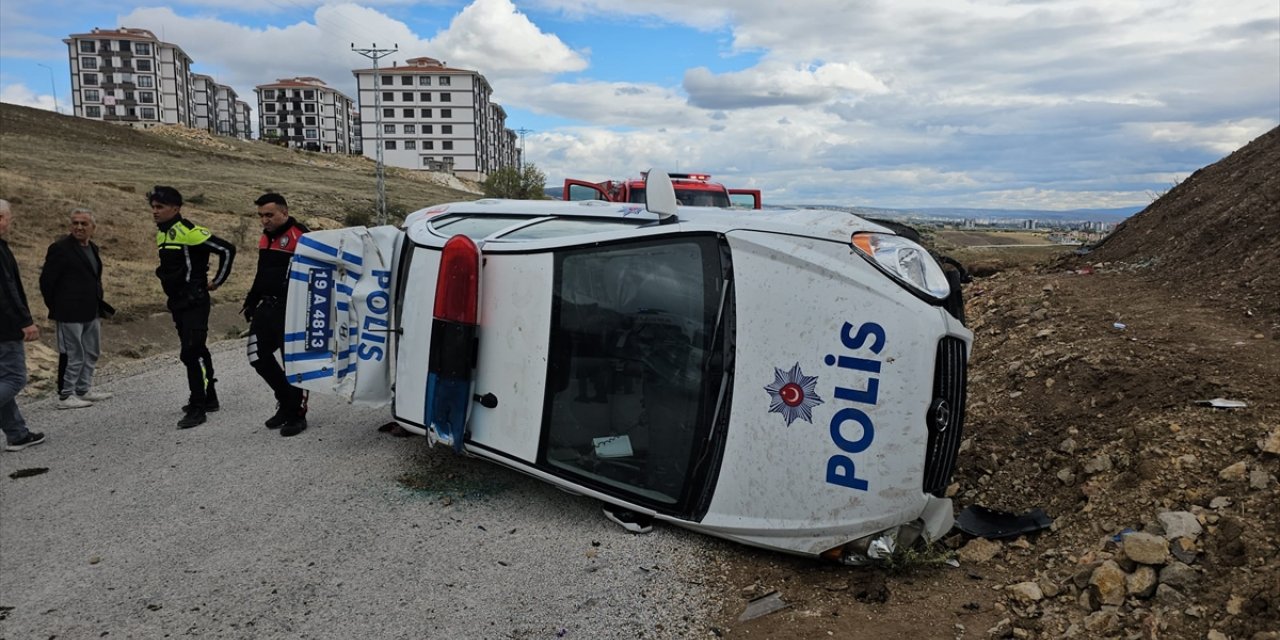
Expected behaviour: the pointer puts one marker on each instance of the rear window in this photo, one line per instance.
(691, 197)
(560, 227)
(476, 227)
(629, 386)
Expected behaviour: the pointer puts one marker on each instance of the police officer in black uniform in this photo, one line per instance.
(264, 308)
(184, 274)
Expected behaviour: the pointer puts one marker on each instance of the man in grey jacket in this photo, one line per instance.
(16, 327)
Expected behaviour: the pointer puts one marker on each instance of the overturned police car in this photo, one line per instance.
(789, 379)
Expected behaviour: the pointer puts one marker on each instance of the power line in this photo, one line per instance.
(375, 54)
(522, 131)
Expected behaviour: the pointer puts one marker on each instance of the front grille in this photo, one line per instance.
(945, 416)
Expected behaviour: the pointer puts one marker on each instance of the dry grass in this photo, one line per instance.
(50, 164)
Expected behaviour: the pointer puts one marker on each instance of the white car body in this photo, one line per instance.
(746, 374)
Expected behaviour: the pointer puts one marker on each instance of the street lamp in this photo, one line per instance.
(53, 87)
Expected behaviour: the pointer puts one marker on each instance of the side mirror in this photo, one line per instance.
(660, 195)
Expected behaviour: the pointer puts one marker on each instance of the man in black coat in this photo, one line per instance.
(71, 284)
(16, 327)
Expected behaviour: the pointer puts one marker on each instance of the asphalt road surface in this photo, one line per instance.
(227, 530)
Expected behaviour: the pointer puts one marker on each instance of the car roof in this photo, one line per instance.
(817, 223)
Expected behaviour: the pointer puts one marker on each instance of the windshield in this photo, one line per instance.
(690, 197)
(629, 394)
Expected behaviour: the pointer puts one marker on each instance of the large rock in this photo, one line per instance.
(1107, 584)
(1142, 582)
(1235, 473)
(1179, 575)
(1272, 444)
(1180, 524)
(1145, 548)
(1026, 592)
(978, 550)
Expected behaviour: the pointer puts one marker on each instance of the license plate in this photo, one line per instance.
(319, 309)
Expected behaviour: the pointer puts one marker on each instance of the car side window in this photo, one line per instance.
(631, 333)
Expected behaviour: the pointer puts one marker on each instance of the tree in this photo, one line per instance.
(514, 183)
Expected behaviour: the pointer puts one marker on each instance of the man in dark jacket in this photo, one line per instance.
(185, 248)
(264, 309)
(16, 327)
(71, 284)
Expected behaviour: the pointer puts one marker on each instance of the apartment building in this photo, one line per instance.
(434, 117)
(243, 121)
(128, 76)
(305, 113)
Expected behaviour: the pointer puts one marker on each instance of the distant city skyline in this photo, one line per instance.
(995, 105)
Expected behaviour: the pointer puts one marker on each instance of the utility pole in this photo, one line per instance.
(522, 131)
(53, 87)
(375, 54)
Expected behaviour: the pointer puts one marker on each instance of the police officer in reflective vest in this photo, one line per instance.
(264, 308)
(184, 274)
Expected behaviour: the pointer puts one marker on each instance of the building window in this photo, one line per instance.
(386, 80)
(446, 129)
(447, 145)
(410, 145)
(270, 120)
(408, 113)
(312, 134)
(446, 113)
(93, 112)
(106, 45)
(310, 121)
(309, 107)
(406, 80)
(447, 160)
(146, 81)
(92, 95)
(389, 145)
(89, 79)
(148, 113)
(388, 128)
(426, 97)
(445, 81)
(388, 96)
(268, 94)
(309, 95)
(146, 97)
(427, 129)
(408, 128)
(88, 46)
(428, 144)
(388, 113)
(446, 97)
(424, 81)
(142, 48)
(142, 64)
(88, 63)
(270, 107)
(426, 160)
(426, 113)
(407, 96)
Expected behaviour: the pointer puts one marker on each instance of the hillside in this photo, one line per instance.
(1213, 236)
(50, 164)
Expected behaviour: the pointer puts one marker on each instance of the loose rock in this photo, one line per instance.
(1026, 592)
(1107, 584)
(978, 550)
(1145, 548)
(1142, 582)
(1180, 524)
(1235, 473)
(1177, 574)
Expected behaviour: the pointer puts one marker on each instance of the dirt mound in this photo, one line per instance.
(1214, 235)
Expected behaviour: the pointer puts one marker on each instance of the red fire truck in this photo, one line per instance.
(692, 190)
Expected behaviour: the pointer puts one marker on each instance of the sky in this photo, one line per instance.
(1017, 104)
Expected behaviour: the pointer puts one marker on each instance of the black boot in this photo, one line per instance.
(211, 396)
(194, 417)
(281, 418)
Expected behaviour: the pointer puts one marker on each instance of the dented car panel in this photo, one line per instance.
(747, 375)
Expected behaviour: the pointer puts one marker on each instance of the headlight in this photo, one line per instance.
(904, 260)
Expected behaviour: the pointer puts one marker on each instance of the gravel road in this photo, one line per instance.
(228, 530)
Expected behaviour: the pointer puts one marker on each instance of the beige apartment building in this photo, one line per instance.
(434, 117)
(305, 113)
(128, 76)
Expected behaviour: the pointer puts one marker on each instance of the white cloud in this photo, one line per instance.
(777, 83)
(19, 94)
(494, 36)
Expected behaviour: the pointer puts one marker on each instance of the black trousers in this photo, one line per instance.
(266, 337)
(192, 323)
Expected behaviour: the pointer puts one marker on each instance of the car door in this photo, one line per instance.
(745, 198)
(580, 190)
